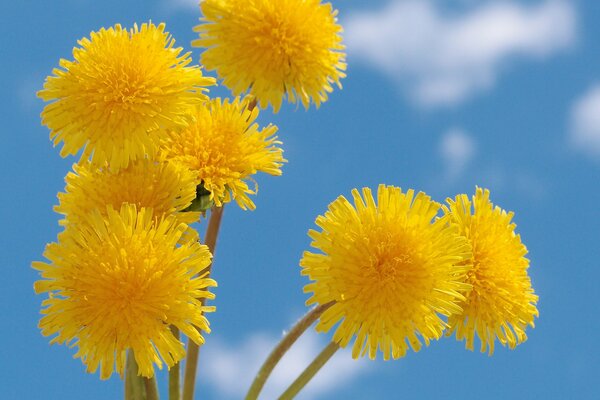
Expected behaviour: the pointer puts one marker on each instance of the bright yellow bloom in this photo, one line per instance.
(390, 270)
(224, 148)
(118, 283)
(164, 187)
(120, 93)
(502, 302)
(273, 48)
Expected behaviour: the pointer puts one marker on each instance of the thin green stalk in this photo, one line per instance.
(310, 371)
(191, 359)
(151, 388)
(134, 384)
(282, 347)
(174, 373)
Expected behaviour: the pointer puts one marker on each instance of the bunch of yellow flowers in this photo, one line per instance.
(129, 274)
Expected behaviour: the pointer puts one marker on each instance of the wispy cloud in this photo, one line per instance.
(585, 123)
(457, 149)
(182, 4)
(443, 58)
(233, 367)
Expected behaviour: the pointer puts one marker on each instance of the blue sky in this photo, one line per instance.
(441, 96)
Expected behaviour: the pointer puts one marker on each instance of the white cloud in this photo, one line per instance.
(585, 121)
(232, 368)
(457, 149)
(444, 58)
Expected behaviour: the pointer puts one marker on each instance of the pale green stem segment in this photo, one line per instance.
(282, 347)
(151, 388)
(191, 359)
(310, 371)
(135, 388)
(174, 373)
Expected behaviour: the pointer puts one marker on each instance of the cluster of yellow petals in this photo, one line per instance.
(128, 266)
(224, 147)
(502, 302)
(273, 48)
(391, 270)
(118, 283)
(120, 93)
(164, 187)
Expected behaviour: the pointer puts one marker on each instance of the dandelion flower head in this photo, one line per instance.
(123, 88)
(118, 284)
(391, 272)
(164, 187)
(502, 302)
(224, 147)
(273, 48)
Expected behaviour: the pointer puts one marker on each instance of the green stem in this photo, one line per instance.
(174, 373)
(282, 347)
(151, 388)
(191, 363)
(134, 384)
(310, 371)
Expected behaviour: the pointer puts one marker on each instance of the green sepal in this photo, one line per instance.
(202, 202)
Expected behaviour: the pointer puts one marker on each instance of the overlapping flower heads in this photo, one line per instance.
(128, 272)
(273, 48)
(117, 283)
(162, 186)
(128, 266)
(224, 147)
(390, 270)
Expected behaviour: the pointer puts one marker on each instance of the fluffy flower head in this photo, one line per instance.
(390, 270)
(118, 283)
(502, 302)
(273, 48)
(224, 147)
(164, 187)
(123, 88)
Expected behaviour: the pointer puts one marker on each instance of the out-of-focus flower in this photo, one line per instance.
(224, 147)
(123, 89)
(502, 302)
(390, 270)
(273, 48)
(118, 283)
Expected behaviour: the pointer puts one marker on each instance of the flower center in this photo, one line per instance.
(392, 260)
(123, 88)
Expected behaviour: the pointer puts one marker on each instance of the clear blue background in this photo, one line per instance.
(368, 133)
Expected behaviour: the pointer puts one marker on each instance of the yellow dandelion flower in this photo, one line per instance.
(502, 302)
(224, 147)
(164, 187)
(390, 270)
(118, 283)
(120, 93)
(273, 48)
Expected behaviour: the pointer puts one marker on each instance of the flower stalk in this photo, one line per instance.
(282, 347)
(151, 388)
(191, 364)
(310, 371)
(175, 374)
(134, 384)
